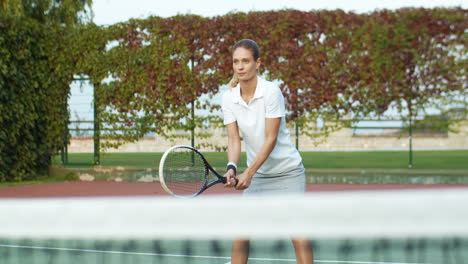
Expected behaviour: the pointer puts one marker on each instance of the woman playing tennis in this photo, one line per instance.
(256, 108)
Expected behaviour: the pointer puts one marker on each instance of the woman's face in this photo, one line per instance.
(244, 65)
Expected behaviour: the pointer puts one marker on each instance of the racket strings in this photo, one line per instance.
(184, 171)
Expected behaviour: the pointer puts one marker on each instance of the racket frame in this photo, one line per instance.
(208, 168)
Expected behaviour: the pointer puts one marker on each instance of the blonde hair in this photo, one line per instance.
(234, 81)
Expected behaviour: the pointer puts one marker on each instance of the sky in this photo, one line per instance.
(108, 12)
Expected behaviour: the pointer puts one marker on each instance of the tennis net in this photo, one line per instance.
(403, 227)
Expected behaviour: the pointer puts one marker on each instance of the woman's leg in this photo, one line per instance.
(303, 249)
(240, 251)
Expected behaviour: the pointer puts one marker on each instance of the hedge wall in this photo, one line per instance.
(34, 87)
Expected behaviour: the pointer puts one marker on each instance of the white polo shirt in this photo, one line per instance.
(268, 102)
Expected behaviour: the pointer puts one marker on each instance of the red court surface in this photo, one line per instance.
(103, 188)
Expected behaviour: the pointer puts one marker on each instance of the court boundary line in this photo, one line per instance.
(191, 256)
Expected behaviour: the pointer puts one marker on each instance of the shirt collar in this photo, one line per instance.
(259, 91)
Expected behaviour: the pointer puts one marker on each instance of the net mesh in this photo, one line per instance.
(348, 227)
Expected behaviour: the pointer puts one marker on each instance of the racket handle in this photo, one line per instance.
(225, 180)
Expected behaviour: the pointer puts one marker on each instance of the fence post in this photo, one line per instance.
(410, 165)
(192, 128)
(66, 138)
(97, 132)
(297, 134)
(65, 146)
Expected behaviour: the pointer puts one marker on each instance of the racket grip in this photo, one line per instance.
(225, 180)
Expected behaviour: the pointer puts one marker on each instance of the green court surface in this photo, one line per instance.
(424, 160)
(430, 167)
(217, 252)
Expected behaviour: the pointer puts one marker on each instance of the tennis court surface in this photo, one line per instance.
(384, 224)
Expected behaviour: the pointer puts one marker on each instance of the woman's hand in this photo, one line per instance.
(244, 180)
(230, 179)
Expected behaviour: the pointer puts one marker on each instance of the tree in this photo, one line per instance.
(205, 80)
(143, 85)
(35, 74)
(62, 12)
(331, 65)
(408, 61)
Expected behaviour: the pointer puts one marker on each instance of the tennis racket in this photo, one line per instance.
(184, 172)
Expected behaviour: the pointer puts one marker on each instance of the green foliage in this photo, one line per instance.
(33, 95)
(142, 79)
(148, 74)
(63, 12)
(416, 59)
(330, 64)
(35, 74)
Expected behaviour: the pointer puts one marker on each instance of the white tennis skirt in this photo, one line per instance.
(291, 182)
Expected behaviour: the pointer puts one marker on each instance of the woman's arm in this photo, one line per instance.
(234, 151)
(271, 134)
